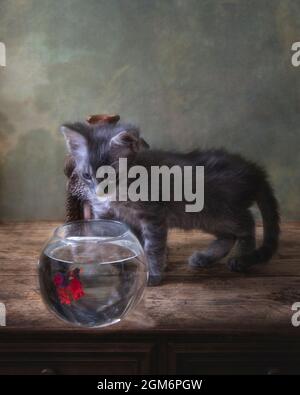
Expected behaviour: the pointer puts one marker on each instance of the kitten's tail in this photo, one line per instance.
(269, 209)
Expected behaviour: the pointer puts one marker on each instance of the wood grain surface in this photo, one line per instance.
(206, 300)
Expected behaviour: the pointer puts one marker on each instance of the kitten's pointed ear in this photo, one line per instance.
(129, 140)
(144, 144)
(76, 143)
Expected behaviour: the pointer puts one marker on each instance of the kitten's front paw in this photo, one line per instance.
(237, 265)
(198, 259)
(154, 279)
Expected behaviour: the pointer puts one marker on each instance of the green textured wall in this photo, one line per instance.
(189, 72)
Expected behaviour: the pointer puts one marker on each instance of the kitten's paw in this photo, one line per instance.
(198, 259)
(154, 279)
(237, 265)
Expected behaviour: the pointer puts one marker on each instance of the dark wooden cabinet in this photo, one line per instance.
(153, 354)
(207, 321)
(233, 358)
(76, 359)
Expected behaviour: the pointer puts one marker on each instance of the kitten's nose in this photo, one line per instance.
(93, 186)
(87, 212)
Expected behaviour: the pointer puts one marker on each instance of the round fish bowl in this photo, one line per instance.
(92, 273)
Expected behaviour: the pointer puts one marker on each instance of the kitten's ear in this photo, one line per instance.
(129, 140)
(144, 144)
(76, 143)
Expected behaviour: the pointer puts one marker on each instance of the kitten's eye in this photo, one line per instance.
(86, 176)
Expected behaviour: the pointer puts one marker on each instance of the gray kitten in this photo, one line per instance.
(232, 185)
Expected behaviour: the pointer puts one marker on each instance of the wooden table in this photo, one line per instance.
(203, 321)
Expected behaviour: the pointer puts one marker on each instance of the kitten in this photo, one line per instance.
(231, 184)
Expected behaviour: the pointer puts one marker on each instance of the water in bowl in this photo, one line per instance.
(89, 282)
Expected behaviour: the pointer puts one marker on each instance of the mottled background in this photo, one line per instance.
(189, 72)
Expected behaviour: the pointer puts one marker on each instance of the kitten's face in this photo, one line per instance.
(100, 145)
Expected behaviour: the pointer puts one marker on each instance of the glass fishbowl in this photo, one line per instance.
(92, 273)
